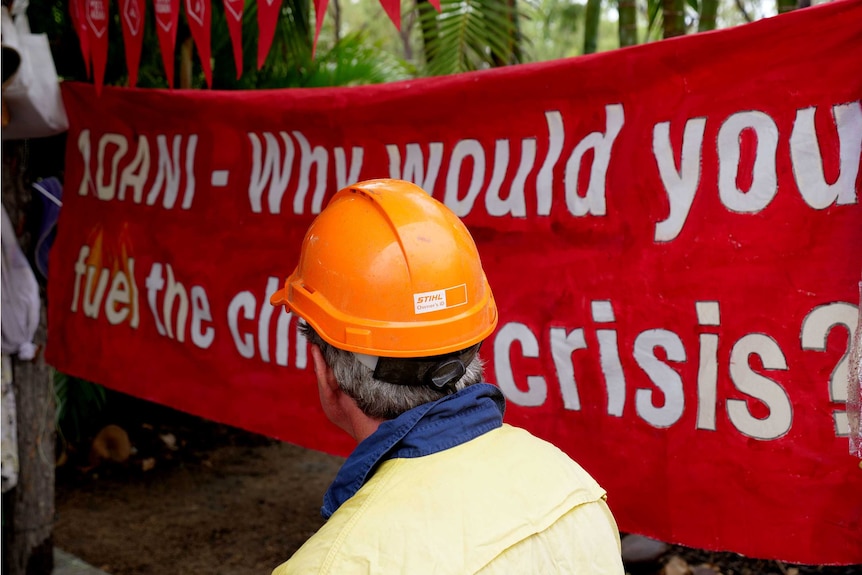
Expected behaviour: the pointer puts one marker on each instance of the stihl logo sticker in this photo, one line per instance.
(439, 299)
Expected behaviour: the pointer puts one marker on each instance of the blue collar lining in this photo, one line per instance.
(429, 428)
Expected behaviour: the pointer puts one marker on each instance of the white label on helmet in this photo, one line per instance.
(439, 299)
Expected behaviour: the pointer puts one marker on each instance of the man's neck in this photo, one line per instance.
(359, 425)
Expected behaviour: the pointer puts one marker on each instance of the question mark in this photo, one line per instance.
(815, 332)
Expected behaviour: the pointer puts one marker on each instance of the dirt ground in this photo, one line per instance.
(193, 497)
(197, 497)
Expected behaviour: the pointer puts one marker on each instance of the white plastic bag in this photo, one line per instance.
(32, 96)
(20, 297)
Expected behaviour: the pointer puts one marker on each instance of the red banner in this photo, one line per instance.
(672, 231)
(132, 17)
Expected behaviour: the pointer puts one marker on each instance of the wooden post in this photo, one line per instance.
(32, 542)
(186, 63)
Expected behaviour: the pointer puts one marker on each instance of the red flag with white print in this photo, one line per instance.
(96, 16)
(233, 14)
(267, 18)
(79, 22)
(320, 12)
(199, 16)
(167, 14)
(132, 15)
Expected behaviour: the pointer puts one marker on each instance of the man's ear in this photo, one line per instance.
(325, 377)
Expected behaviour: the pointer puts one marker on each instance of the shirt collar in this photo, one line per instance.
(423, 430)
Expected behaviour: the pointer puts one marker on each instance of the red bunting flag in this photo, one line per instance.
(393, 10)
(132, 14)
(233, 14)
(167, 14)
(320, 12)
(79, 22)
(96, 15)
(267, 18)
(199, 16)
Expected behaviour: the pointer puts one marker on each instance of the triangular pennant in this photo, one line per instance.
(233, 14)
(393, 10)
(267, 18)
(79, 22)
(320, 12)
(167, 15)
(435, 3)
(96, 15)
(132, 15)
(199, 17)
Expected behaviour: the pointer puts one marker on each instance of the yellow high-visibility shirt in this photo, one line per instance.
(505, 502)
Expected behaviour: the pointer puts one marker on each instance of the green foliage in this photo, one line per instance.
(354, 60)
(553, 29)
(470, 35)
(654, 19)
(78, 403)
(369, 17)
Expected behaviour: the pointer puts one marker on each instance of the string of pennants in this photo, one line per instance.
(90, 20)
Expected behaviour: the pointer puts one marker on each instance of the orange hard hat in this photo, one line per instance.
(387, 270)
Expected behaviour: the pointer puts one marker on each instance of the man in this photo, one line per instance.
(396, 303)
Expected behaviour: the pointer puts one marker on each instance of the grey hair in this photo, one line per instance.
(380, 399)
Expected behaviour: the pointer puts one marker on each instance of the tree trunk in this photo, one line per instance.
(628, 32)
(32, 551)
(708, 11)
(786, 5)
(406, 32)
(673, 16)
(336, 16)
(186, 49)
(28, 509)
(591, 25)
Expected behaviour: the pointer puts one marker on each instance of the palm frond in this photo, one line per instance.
(355, 61)
(470, 35)
(654, 19)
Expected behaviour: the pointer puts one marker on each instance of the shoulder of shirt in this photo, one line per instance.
(408, 486)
